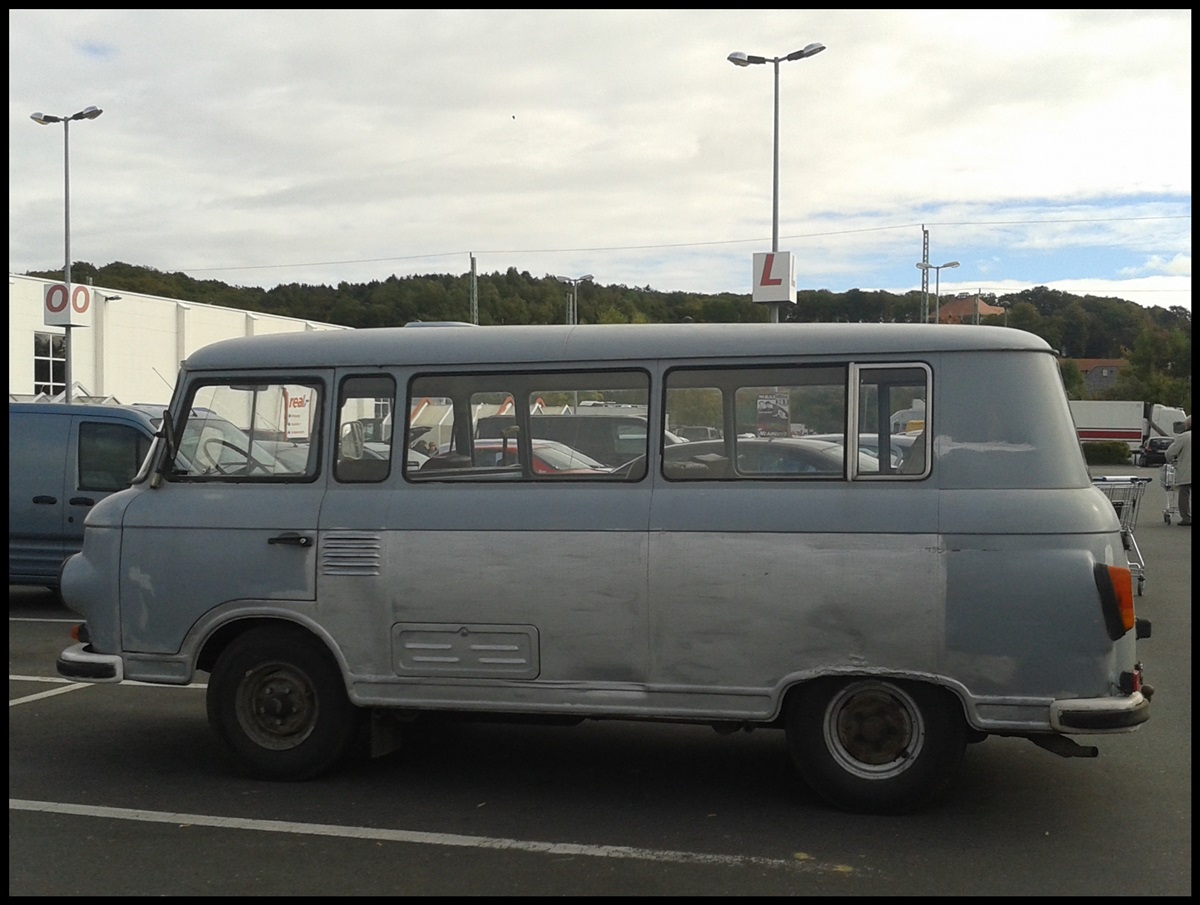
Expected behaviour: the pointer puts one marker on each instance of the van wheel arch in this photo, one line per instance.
(875, 744)
(277, 700)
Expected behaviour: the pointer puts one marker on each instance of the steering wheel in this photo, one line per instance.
(214, 456)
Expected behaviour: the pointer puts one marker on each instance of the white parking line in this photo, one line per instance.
(58, 680)
(800, 861)
(42, 694)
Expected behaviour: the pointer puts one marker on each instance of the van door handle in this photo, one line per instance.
(45, 500)
(295, 540)
(82, 501)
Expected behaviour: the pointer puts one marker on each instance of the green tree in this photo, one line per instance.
(1072, 378)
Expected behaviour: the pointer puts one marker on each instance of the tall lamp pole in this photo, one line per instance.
(937, 282)
(46, 119)
(738, 58)
(573, 313)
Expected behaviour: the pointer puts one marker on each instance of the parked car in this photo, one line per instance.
(63, 459)
(1153, 452)
(670, 438)
(695, 432)
(610, 438)
(549, 457)
(899, 443)
(769, 455)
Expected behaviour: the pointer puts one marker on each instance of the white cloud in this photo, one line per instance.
(253, 146)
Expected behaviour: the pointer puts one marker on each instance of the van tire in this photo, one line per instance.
(874, 745)
(277, 700)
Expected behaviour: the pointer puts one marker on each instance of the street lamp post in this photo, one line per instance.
(45, 119)
(738, 58)
(937, 284)
(573, 311)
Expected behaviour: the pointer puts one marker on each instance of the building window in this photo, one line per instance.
(49, 363)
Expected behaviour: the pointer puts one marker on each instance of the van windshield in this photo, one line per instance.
(247, 432)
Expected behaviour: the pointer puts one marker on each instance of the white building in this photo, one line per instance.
(131, 348)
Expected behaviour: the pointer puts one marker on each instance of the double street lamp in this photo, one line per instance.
(741, 59)
(45, 119)
(937, 273)
(573, 309)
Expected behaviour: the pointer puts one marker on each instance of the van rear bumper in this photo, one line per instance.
(1100, 714)
(81, 663)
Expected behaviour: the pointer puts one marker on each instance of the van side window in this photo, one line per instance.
(109, 455)
(892, 413)
(250, 431)
(531, 426)
(760, 417)
(364, 453)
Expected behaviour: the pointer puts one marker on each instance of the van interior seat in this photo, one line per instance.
(362, 470)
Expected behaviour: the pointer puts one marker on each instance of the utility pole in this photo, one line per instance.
(474, 291)
(924, 275)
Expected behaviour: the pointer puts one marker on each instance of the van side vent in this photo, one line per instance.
(351, 553)
(465, 651)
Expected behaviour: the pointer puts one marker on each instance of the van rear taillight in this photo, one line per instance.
(1115, 584)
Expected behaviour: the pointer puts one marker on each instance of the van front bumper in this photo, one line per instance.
(82, 664)
(1100, 714)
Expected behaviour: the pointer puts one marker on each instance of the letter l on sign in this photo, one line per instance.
(774, 277)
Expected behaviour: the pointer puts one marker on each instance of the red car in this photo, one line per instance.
(549, 457)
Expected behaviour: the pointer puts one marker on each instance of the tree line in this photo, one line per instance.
(1156, 342)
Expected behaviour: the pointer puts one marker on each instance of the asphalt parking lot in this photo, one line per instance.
(123, 790)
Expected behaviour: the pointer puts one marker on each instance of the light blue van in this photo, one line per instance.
(63, 459)
(879, 616)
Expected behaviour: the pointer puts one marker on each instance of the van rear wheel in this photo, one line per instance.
(277, 701)
(873, 745)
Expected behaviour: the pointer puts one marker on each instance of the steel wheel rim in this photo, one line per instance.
(874, 730)
(277, 706)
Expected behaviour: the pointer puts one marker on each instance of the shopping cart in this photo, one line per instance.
(1166, 477)
(1125, 492)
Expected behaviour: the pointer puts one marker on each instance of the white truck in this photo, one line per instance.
(1162, 421)
(1098, 420)
(1131, 422)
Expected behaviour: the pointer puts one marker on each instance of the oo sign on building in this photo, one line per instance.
(774, 277)
(63, 309)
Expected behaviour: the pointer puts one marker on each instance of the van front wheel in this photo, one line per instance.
(276, 699)
(874, 745)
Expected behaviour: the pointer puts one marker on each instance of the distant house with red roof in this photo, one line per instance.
(1099, 373)
(962, 310)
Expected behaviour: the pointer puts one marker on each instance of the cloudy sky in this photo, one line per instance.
(262, 147)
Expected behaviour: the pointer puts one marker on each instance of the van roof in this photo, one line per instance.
(608, 343)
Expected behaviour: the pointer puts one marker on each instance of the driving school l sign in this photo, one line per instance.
(60, 311)
(774, 277)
